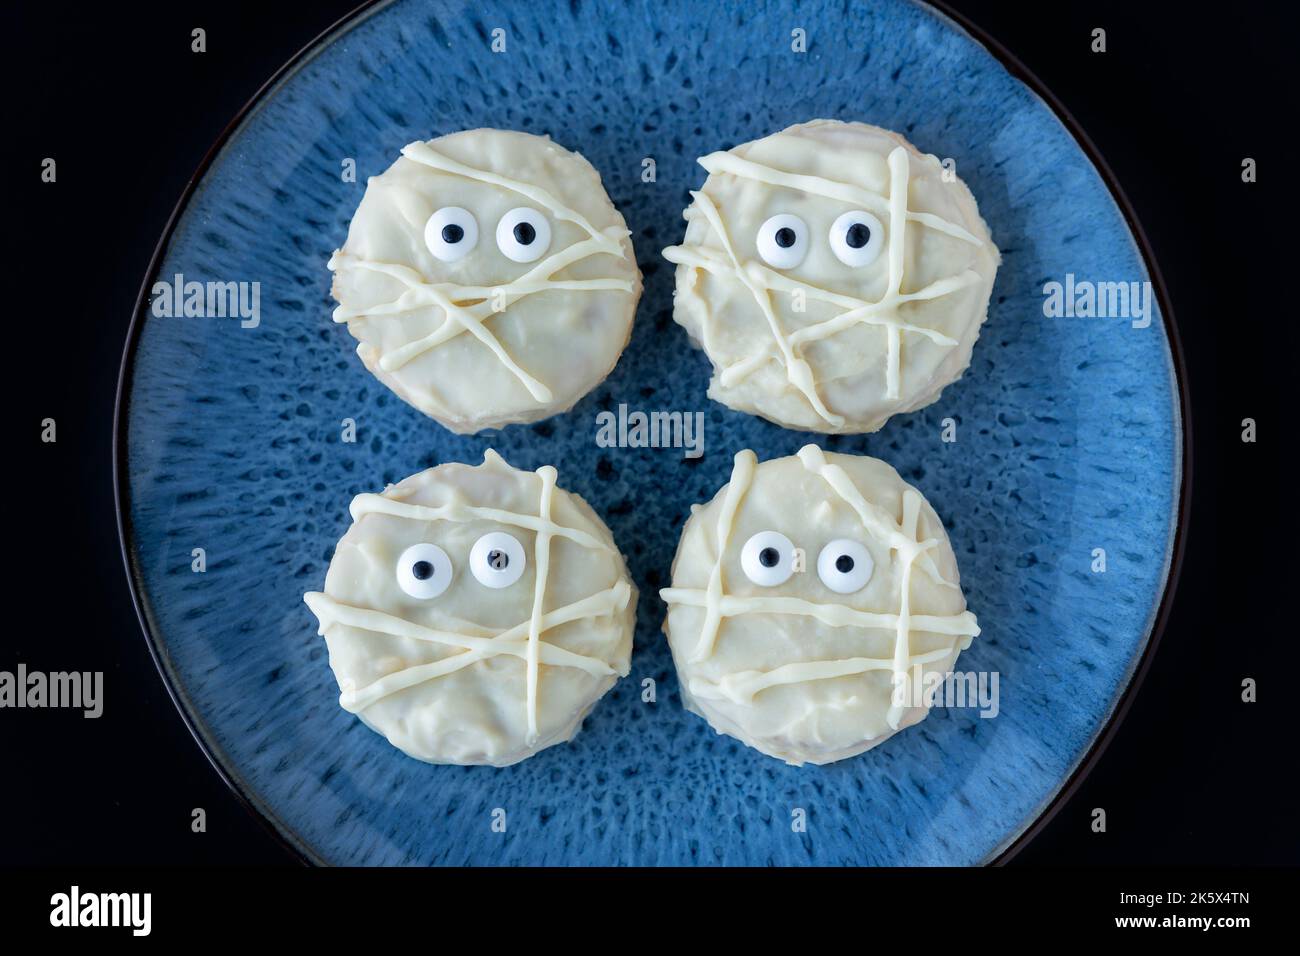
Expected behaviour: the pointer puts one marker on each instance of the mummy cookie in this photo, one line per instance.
(487, 279)
(814, 603)
(474, 615)
(833, 275)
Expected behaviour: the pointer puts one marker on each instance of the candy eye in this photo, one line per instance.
(451, 233)
(857, 238)
(845, 566)
(523, 234)
(497, 560)
(768, 559)
(424, 571)
(783, 241)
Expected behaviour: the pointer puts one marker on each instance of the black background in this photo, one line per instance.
(116, 96)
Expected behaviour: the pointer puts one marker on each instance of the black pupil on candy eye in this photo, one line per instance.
(857, 237)
(498, 560)
(769, 558)
(844, 564)
(422, 570)
(785, 237)
(452, 233)
(525, 234)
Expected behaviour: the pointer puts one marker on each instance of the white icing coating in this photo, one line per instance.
(837, 342)
(800, 671)
(488, 337)
(479, 674)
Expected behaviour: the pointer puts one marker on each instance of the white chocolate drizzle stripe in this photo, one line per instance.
(542, 563)
(742, 686)
(899, 171)
(472, 298)
(898, 176)
(903, 640)
(742, 473)
(834, 615)
(512, 642)
(368, 503)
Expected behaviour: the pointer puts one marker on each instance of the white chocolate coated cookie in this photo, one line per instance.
(474, 615)
(803, 594)
(487, 279)
(834, 275)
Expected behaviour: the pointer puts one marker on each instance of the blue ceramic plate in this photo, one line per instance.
(1069, 441)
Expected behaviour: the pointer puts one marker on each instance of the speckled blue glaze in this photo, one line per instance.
(1068, 440)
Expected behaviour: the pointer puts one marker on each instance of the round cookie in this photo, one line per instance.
(834, 276)
(814, 603)
(474, 615)
(487, 279)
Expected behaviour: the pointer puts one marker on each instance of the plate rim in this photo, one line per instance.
(1182, 478)
(1137, 671)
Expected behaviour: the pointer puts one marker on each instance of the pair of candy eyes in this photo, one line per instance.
(768, 558)
(856, 238)
(523, 234)
(497, 561)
